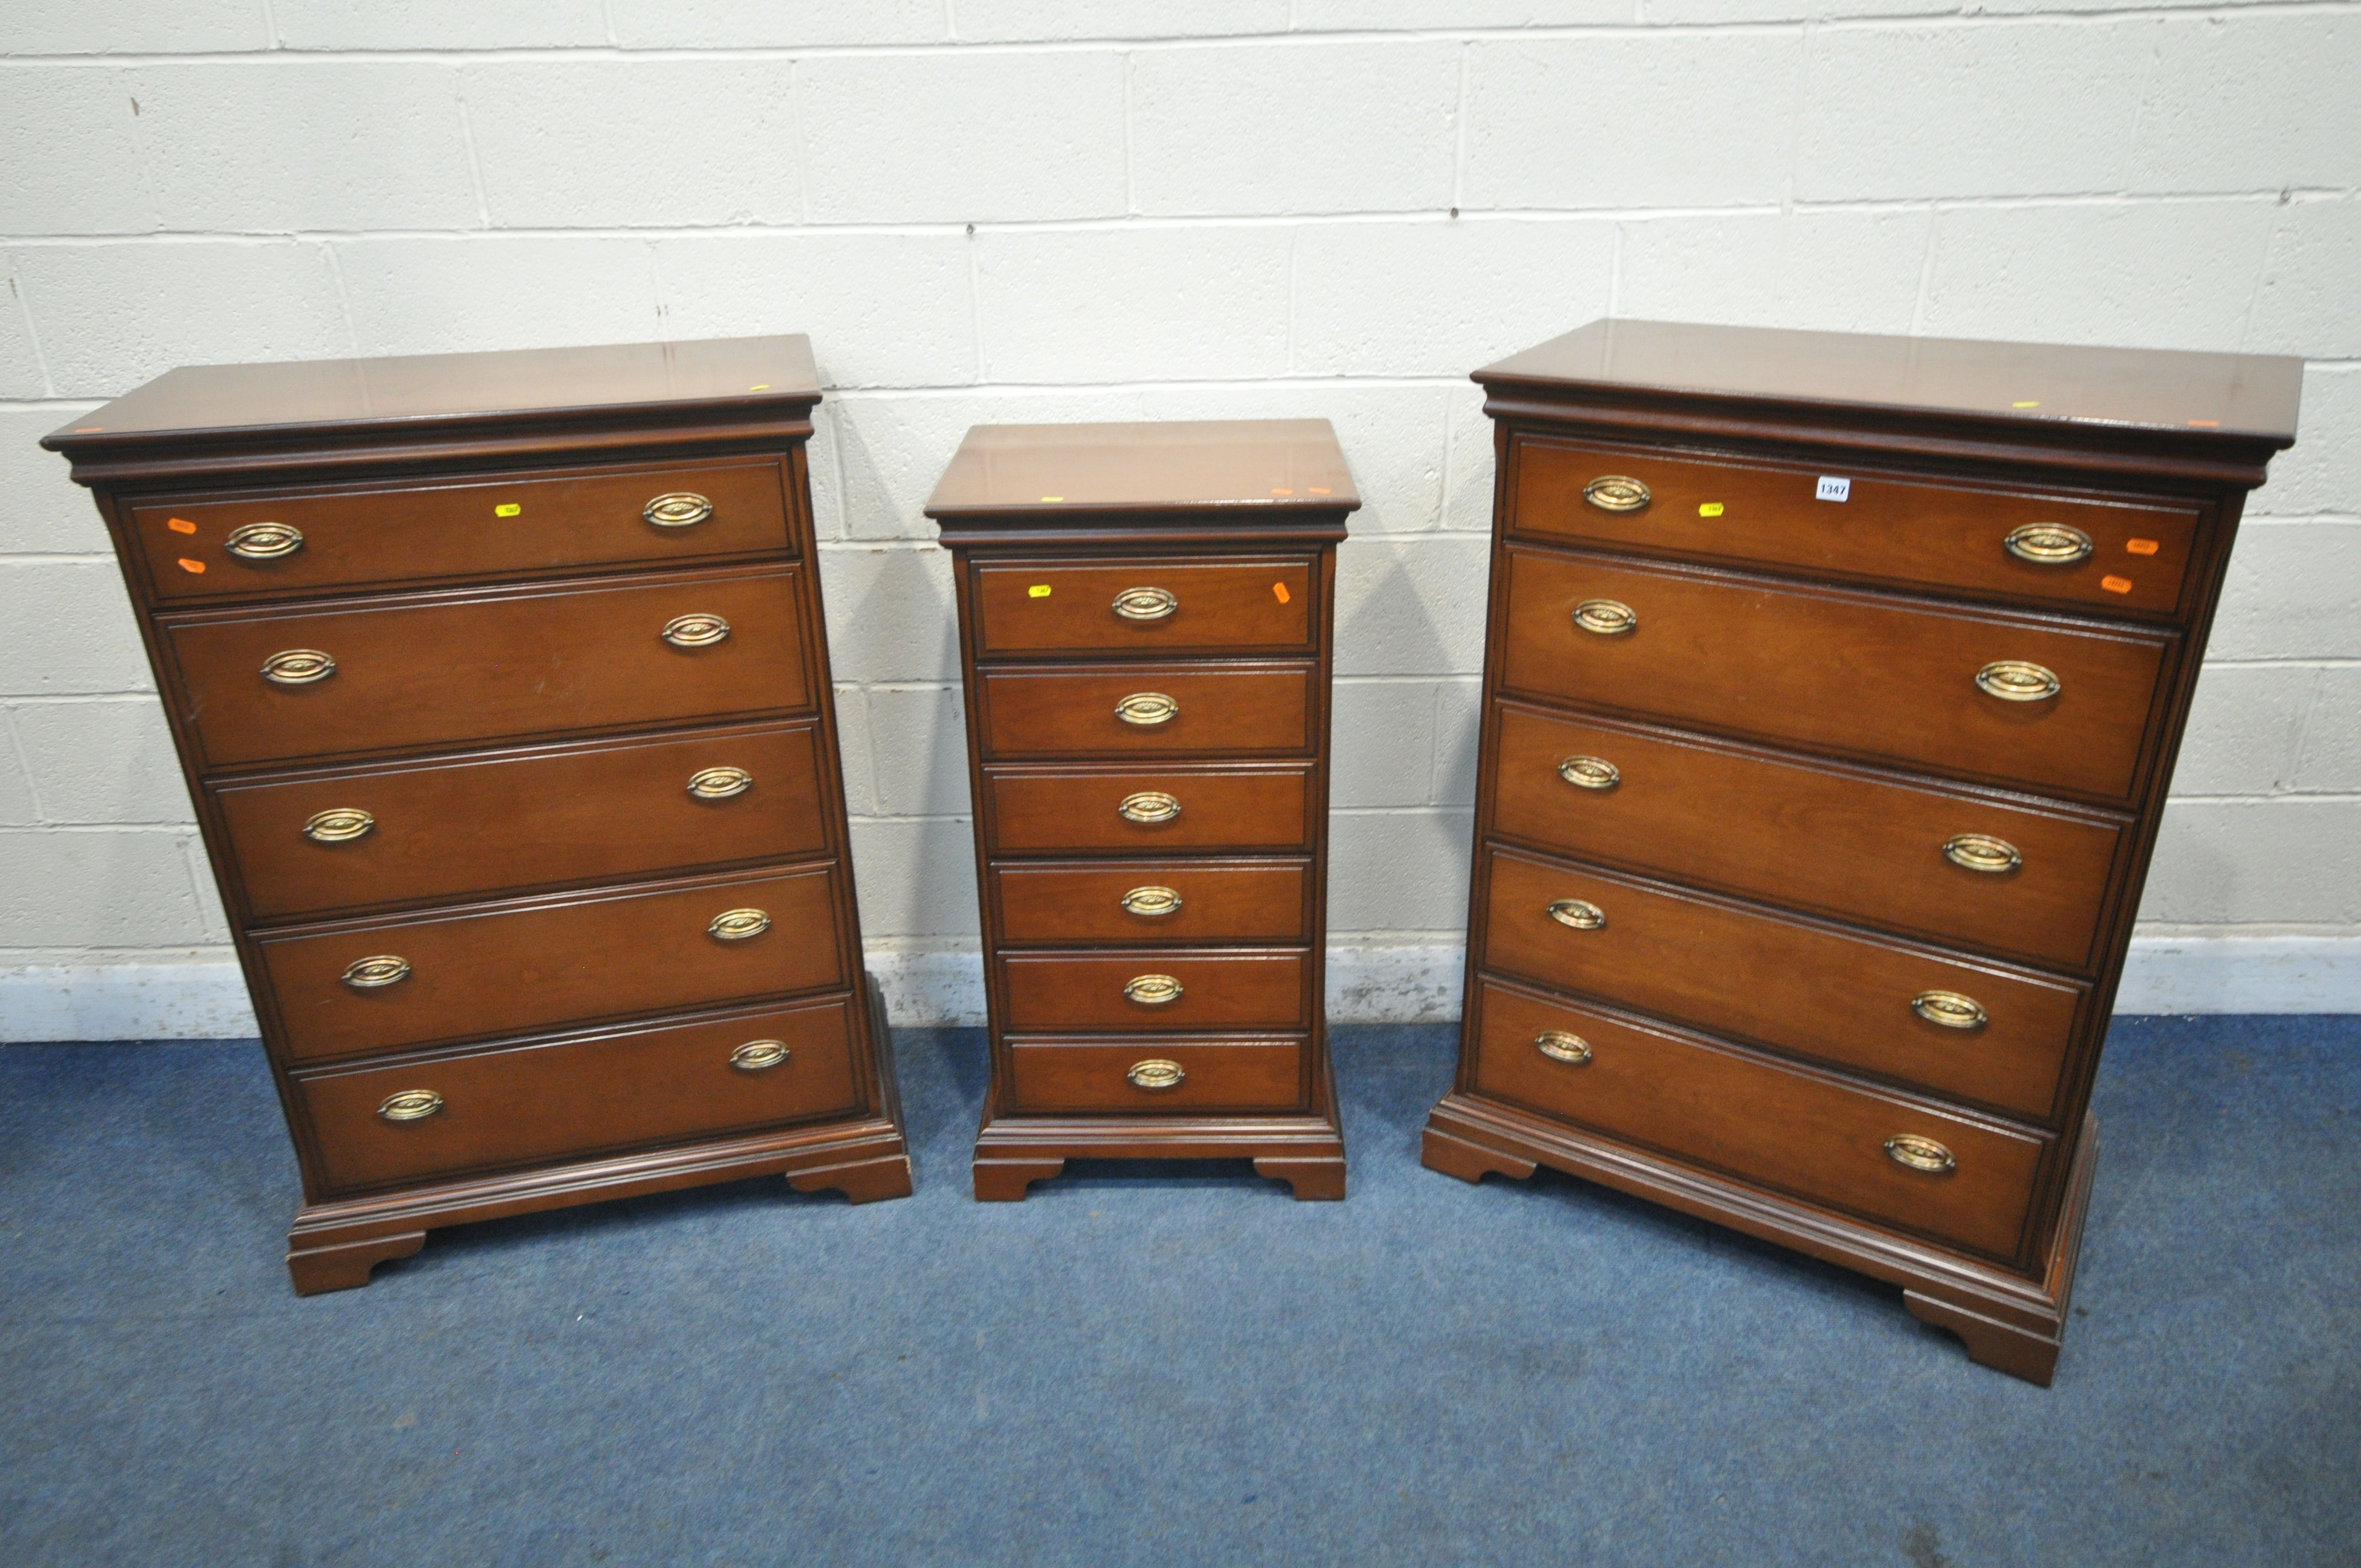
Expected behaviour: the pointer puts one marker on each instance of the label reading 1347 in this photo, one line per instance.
(1834, 489)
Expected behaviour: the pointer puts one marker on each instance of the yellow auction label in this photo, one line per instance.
(1039, 591)
(1709, 509)
(507, 508)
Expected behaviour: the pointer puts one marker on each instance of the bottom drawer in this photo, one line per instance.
(1148, 1077)
(557, 1098)
(1797, 1132)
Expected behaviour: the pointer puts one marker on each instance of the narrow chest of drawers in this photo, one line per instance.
(1832, 689)
(1146, 615)
(500, 685)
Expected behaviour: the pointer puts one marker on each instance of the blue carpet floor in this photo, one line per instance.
(1175, 1365)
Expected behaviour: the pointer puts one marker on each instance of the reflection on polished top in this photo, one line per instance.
(319, 395)
(2195, 394)
(1172, 466)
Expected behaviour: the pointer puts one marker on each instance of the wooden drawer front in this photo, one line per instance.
(1877, 679)
(561, 1099)
(507, 970)
(1761, 1121)
(1938, 537)
(478, 825)
(1219, 900)
(1087, 712)
(447, 671)
(1799, 987)
(1232, 809)
(1219, 990)
(1238, 605)
(1804, 837)
(1215, 1075)
(350, 538)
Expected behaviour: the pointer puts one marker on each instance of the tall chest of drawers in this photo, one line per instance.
(1145, 626)
(500, 686)
(1832, 689)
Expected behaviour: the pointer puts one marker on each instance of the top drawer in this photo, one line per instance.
(1127, 606)
(295, 540)
(2095, 553)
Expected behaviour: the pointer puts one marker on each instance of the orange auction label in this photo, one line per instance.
(1279, 591)
(2140, 547)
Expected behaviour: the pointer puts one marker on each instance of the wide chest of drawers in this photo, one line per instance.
(1831, 692)
(1146, 614)
(501, 689)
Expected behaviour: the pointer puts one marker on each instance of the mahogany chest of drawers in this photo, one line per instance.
(1145, 625)
(500, 686)
(1831, 692)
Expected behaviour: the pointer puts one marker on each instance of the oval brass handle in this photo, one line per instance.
(1919, 1154)
(1148, 805)
(678, 509)
(263, 540)
(1559, 1046)
(2016, 680)
(1578, 913)
(1154, 903)
(737, 925)
(720, 783)
(1616, 492)
(694, 630)
(410, 1105)
(1152, 990)
(298, 667)
(377, 971)
(1589, 772)
(1155, 1074)
(1147, 709)
(1605, 617)
(1146, 604)
(338, 824)
(1982, 852)
(756, 1055)
(1949, 1008)
(2048, 544)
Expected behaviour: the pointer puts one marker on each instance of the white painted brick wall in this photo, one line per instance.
(995, 210)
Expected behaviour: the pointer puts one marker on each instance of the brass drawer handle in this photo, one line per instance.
(2048, 544)
(1982, 852)
(1949, 1009)
(1589, 772)
(377, 971)
(338, 824)
(1146, 604)
(1578, 913)
(1147, 709)
(738, 924)
(678, 509)
(263, 540)
(1153, 903)
(2016, 680)
(720, 783)
(410, 1105)
(1152, 990)
(1148, 805)
(694, 630)
(1919, 1154)
(1615, 492)
(756, 1055)
(298, 667)
(1156, 1074)
(1559, 1046)
(1605, 617)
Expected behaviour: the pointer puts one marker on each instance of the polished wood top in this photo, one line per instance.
(2194, 394)
(1043, 470)
(338, 396)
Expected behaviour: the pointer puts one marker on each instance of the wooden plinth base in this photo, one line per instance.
(334, 1245)
(1306, 1151)
(2007, 1321)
